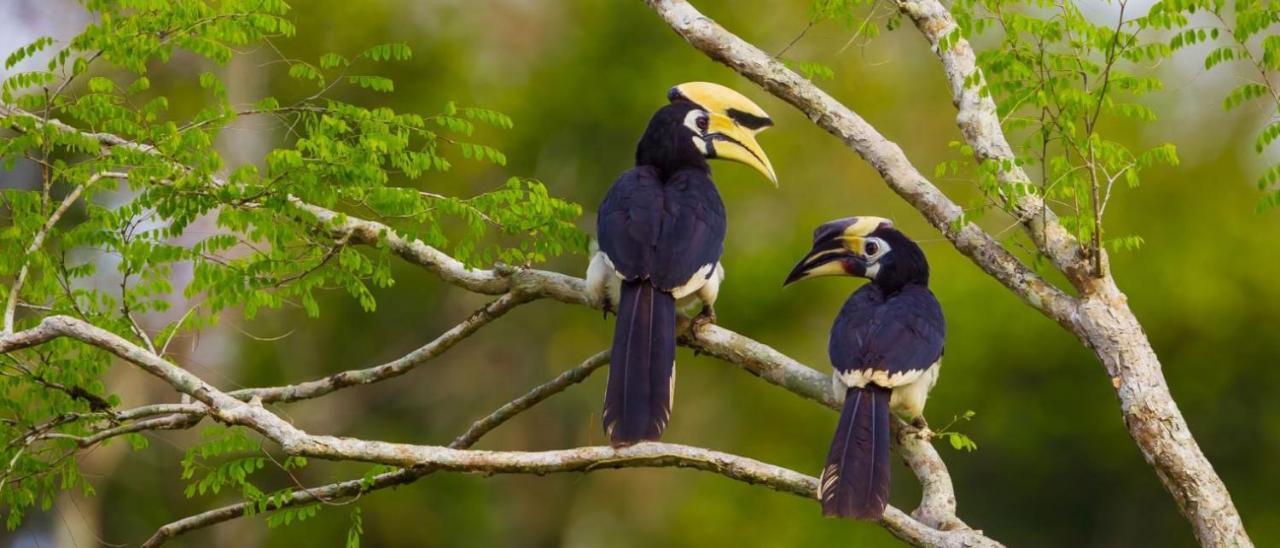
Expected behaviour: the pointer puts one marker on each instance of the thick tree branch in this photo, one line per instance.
(883, 155)
(980, 126)
(1102, 319)
(1106, 324)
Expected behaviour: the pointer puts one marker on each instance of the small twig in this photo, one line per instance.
(164, 348)
(36, 243)
(795, 40)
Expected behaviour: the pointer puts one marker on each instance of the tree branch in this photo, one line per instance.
(399, 366)
(980, 126)
(36, 242)
(884, 155)
(403, 476)
(1101, 319)
(231, 411)
(1106, 324)
(522, 285)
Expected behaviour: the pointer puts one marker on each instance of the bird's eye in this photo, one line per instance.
(703, 123)
(871, 248)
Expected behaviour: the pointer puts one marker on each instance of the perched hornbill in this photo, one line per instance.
(886, 348)
(661, 231)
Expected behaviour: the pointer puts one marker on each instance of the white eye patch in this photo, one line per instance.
(874, 248)
(691, 121)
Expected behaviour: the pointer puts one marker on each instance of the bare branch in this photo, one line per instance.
(394, 368)
(1105, 323)
(357, 487)
(884, 155)
(1101, 319)
(230, 410)
(530, 399)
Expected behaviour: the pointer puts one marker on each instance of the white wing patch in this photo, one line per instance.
(695, 282)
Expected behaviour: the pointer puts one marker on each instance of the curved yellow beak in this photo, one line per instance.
(735, 121)
(731, 141)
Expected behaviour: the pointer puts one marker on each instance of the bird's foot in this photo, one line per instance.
(922, 428)
(920, 423)
(606, 307)
(706, 317)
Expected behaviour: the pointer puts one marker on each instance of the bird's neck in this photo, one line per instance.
(893, 280)
(669, 150)
(892, 288)
(907, 267)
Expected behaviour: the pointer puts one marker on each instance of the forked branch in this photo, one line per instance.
(1100, 318)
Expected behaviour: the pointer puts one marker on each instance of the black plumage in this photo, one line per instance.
(855, 481)
(661, 225)
(893, 333)
(888, 337)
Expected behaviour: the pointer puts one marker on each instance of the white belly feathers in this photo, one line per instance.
(604, 280)
(910, 388)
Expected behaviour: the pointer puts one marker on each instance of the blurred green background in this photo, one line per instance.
(1055, 466)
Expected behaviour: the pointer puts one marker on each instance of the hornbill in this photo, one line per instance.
(661, 232)
(885, 348)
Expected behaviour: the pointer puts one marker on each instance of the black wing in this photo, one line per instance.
(901, 333)
(693, 229)
(664, 232)
(629, 222)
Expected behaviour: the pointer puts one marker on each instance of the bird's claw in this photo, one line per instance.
(920, 423)
(706, 317)
(921, 427)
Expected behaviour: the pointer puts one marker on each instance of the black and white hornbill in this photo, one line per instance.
(661, 232)
(885, 348)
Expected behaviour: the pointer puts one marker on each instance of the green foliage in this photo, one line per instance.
(1246, 32)
(108, 226)
(234, 472)
(812, 70)
(357, 528)
(1058, 79)
(226, 458)
(848, 13)
(958, 440)
(288, 516)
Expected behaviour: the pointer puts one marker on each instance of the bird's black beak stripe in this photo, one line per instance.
(748, 120)
(819, 260)
(713, 137)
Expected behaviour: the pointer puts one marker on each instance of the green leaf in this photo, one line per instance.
(375, 83)
(1244, 93)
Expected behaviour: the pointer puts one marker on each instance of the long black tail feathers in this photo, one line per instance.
(855, 481)
(637, 402)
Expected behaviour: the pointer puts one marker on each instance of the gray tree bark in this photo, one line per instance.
(1099, 317)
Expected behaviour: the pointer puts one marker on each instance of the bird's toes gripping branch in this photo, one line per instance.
(704, 318)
